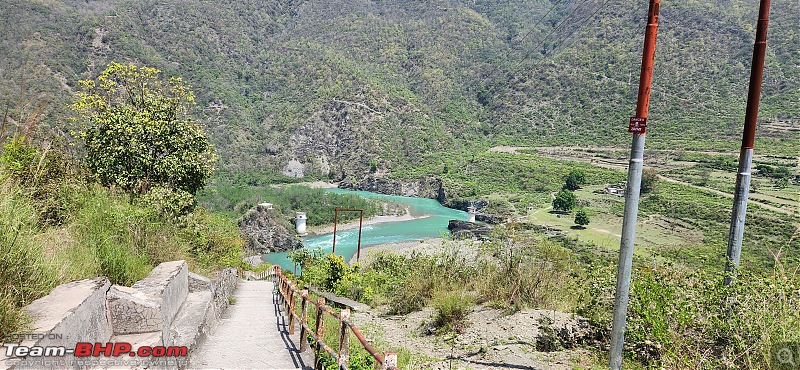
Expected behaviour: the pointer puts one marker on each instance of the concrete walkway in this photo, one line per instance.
(250, 335)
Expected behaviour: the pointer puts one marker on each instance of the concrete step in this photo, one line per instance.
(125, 362)
(193, 321)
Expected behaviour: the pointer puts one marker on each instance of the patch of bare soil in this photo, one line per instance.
(528, 339)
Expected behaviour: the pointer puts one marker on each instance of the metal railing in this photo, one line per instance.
(263, 275)
(288, 296)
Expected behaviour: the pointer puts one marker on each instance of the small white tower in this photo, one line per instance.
(471, 211)
(300, 222)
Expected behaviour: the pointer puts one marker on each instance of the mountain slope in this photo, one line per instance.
(334, 88)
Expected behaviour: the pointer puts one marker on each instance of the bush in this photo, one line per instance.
(519, 271)
(25, 274)
(214, 241)
(678, 318)
(452, 308)
(168, 202)
(19, 158)
(139, 132)
(48, 176)
(581, 218)
(112, 229)
(575, 179)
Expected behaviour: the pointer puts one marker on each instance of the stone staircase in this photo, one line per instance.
(170, 307)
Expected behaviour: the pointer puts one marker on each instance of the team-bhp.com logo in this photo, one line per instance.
(87, 353)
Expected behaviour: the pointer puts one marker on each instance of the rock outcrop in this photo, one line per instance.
(429, 187)
(463, 229)
(267, 231)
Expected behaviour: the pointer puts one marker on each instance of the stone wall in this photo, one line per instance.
(225, 284)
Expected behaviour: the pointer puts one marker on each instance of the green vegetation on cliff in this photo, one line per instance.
(340, 85)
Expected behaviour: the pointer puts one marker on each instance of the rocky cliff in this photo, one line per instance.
(267, 231)
(429, 187)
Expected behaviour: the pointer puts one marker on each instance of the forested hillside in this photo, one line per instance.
(341, 87)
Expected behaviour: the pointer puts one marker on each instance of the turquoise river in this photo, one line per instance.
(431, 224)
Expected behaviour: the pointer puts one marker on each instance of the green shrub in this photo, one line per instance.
(213, 240)
(679, 319)
(48, 176)
(19, 158)
(168, 202)
(25, 274)
(452, 308)
(525, 271)
(111, 227)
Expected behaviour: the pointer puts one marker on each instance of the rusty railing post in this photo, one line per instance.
(389, 360)
(320, 328)
(291, 310)
(303, 320)
(277, 282)
(344, 338)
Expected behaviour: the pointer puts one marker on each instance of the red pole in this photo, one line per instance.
(335, 220)
(648, 55)
(360, 222)
(756, 74)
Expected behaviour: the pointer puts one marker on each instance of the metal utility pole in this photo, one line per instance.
(637, 126)
(360, 226)
(748, 142)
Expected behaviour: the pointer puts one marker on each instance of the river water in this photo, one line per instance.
(433, 225)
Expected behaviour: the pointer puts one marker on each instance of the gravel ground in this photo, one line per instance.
(528, 339)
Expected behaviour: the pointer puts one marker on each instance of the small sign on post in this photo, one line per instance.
(638, 125)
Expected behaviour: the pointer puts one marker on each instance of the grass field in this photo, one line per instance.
(653, 231)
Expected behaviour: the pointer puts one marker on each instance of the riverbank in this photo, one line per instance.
(421, 246)
(319, 184)
(328, 229)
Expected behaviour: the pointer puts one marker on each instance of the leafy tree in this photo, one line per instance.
(581, 218)
(649, 179)
(139, 134)
(565, 201)
(575, 179)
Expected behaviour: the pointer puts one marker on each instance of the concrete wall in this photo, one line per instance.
(168, 306)
(71, 313)
(168, 283)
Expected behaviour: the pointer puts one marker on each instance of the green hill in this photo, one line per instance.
(342, 85)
